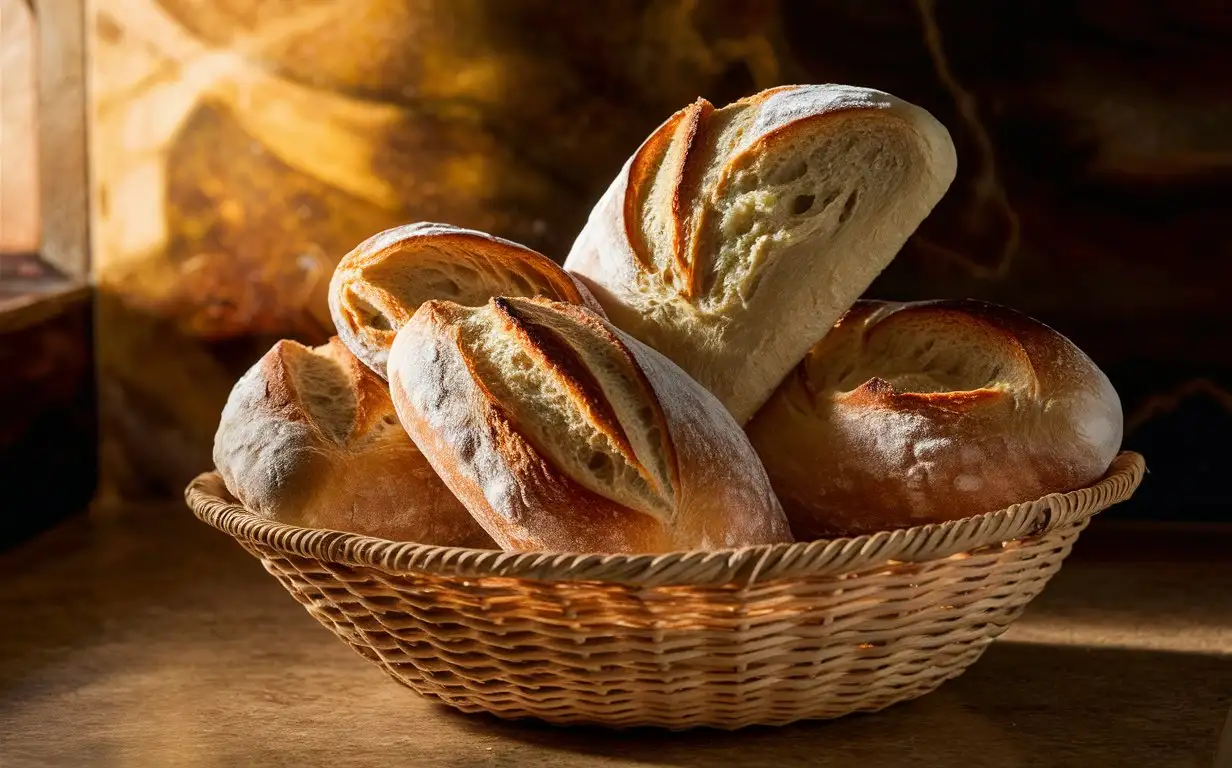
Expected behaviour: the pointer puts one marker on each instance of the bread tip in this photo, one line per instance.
(877, 387)
(434, 309)
(279, 355)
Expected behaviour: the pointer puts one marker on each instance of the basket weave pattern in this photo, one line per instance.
(762, 635)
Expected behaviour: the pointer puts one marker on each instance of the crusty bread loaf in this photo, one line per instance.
(915, 413)
(734, 238)
(560, 432)
(378, 285)
(309, 437)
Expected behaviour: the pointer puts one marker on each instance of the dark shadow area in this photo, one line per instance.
(48, 413)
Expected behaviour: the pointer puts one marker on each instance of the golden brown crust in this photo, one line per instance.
(683, 128)
(377, 287)
(734, 237)
(923, 412)
(593, 523)
(547, 509)
(685, 185)
(643, 167)
(461, 402)
(280, 393)
(309, 437)
(563, 364)
(583, 317)
(690, 129)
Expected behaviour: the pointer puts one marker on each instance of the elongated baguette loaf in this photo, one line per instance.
(733, 238)
(378, 285)
(559, 432)
(309, 437)
(916, 413)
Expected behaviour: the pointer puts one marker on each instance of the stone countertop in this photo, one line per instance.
(136, 636)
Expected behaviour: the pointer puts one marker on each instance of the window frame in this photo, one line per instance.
(47, 339)
(63, 253)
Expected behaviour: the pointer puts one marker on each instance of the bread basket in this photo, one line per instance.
(762, 635)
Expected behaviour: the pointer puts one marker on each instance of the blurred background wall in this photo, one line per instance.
(239, 149)
(19, 215)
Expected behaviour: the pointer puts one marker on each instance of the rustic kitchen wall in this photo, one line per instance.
(19, 219)
(240, 149)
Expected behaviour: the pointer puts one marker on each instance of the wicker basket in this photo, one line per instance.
(762, 635)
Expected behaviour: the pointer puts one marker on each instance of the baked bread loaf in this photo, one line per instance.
(379, 285)
(309, 437)
(913, 413)
(734, 238)
(561, 433)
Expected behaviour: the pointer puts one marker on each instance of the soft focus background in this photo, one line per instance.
(239, 149)
(19, 214)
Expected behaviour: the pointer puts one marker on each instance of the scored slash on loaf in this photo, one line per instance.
(921, 412)
(309, 437)
(559, 432)
(377, 287)
(734, 238)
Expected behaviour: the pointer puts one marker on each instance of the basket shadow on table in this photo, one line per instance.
(1019, 702)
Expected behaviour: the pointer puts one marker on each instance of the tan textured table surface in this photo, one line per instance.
(140, 637)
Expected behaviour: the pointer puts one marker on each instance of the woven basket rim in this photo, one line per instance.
(208, 498)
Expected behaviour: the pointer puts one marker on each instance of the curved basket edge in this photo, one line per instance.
(206, 496)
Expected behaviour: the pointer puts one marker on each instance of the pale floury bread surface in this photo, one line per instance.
(914, 413)
(561, 433)
(734, 238)
(377, 287)
(309, 437)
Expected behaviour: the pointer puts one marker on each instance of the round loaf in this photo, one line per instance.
(561, 433)
(309, 437)
(914, 413)
(377, 287)
(734, 238)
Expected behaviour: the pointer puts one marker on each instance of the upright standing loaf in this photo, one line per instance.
(378, 285)
(733, 238)
(561, 433)
(309, 437)
(923, 412)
